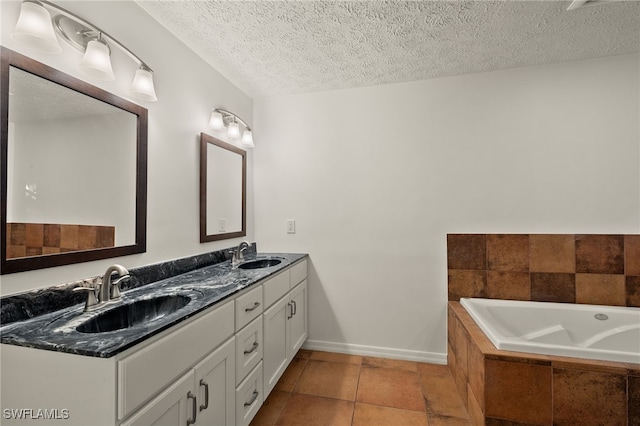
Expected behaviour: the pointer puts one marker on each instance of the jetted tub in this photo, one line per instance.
(609, 333)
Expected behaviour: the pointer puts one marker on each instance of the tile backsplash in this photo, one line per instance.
(569, 268)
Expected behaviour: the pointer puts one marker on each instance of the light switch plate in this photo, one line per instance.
(291, 226)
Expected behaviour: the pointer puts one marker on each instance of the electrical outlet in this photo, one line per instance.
(222, 225)
(291, 226)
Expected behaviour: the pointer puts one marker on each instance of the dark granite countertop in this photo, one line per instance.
(205, 286)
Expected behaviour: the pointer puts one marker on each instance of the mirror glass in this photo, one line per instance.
(74, 169)
(222, 190)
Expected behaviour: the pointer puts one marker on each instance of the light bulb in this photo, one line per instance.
(233, 131)
(96, 61)
(142, 85)
(35, 30)
(247, 139)
(216, 122)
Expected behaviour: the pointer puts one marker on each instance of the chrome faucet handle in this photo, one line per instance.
(115, 287)
(92, 300)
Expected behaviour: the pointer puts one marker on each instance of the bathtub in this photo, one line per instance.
(609, 333)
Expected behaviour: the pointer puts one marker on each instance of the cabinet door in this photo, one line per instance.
(276, 342)
(215, 381)
(173, 407)
(298, 323)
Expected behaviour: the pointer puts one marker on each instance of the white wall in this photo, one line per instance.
(376, 177)
(188, 89)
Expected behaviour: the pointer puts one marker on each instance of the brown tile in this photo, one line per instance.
(632, 254)
(366, 414)
(462, 349)
(50, 250)
(34, 251)
(467, 284)
(330, 379)
(303, 353)
(313, 410)
(271, 409)
(475, 412)
(476, 373)
(518, 392)
(633, 400)
(51, 235)
(508, 252)
(441, 395)
(577, 392)
(375, 362)
(336, 357)
(291, 375)
(600, 254)
(553, 287)
(438, 420)
(391, 388)
(87, 236)
(552, 253)
(34, 236)
(18, 233)
(69, 237)
(16, 251)
(632, 290)
(489, 421)
(105, 236)
(466, 251)
(508, 285)
(600, 289)
(433, 370)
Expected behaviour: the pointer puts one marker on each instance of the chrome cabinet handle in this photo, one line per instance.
(253, 348)
(206, 395)
(255, 305)
(295, 307)
(253, 399)
(194, 407)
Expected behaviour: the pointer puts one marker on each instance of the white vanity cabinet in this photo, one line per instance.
(215, 368)
(285, 322)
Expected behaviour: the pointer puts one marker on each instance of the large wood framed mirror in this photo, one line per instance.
(73, 169)
(223, 185)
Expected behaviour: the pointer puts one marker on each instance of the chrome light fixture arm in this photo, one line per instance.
(81, 36)
(229, 117)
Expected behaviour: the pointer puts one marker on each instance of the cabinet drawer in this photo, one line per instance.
(248, 348)
(146, 372)
(248, 307)
(249, 396)
(276, 287)
(298, 273)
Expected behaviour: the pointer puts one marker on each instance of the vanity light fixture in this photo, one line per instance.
(221, 118)
(36, 29)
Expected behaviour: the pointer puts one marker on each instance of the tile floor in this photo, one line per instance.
(325, 388)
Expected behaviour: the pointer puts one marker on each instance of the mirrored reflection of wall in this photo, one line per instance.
(222, 190)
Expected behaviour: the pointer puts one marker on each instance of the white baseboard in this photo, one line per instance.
(350, 349)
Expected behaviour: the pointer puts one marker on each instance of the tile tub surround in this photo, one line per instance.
(502, 387)
(591, 269)
(205, 286)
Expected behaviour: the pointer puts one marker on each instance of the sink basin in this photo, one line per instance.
(260, 263)
(132, 314)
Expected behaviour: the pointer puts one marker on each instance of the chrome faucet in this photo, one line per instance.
(108, 290)
(111, 290)
(237, 256)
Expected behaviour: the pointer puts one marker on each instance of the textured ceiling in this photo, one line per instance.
(284, 47)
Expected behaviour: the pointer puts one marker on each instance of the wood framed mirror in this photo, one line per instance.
(73, 169)
(223, 187)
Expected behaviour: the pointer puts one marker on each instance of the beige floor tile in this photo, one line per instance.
(369, 361)
(291, 375)
(336, 357)
(330, 379)
(374, 415)
(437, 420)
(271, 409)
(441, 395)
(310, 410)
(390, 388)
